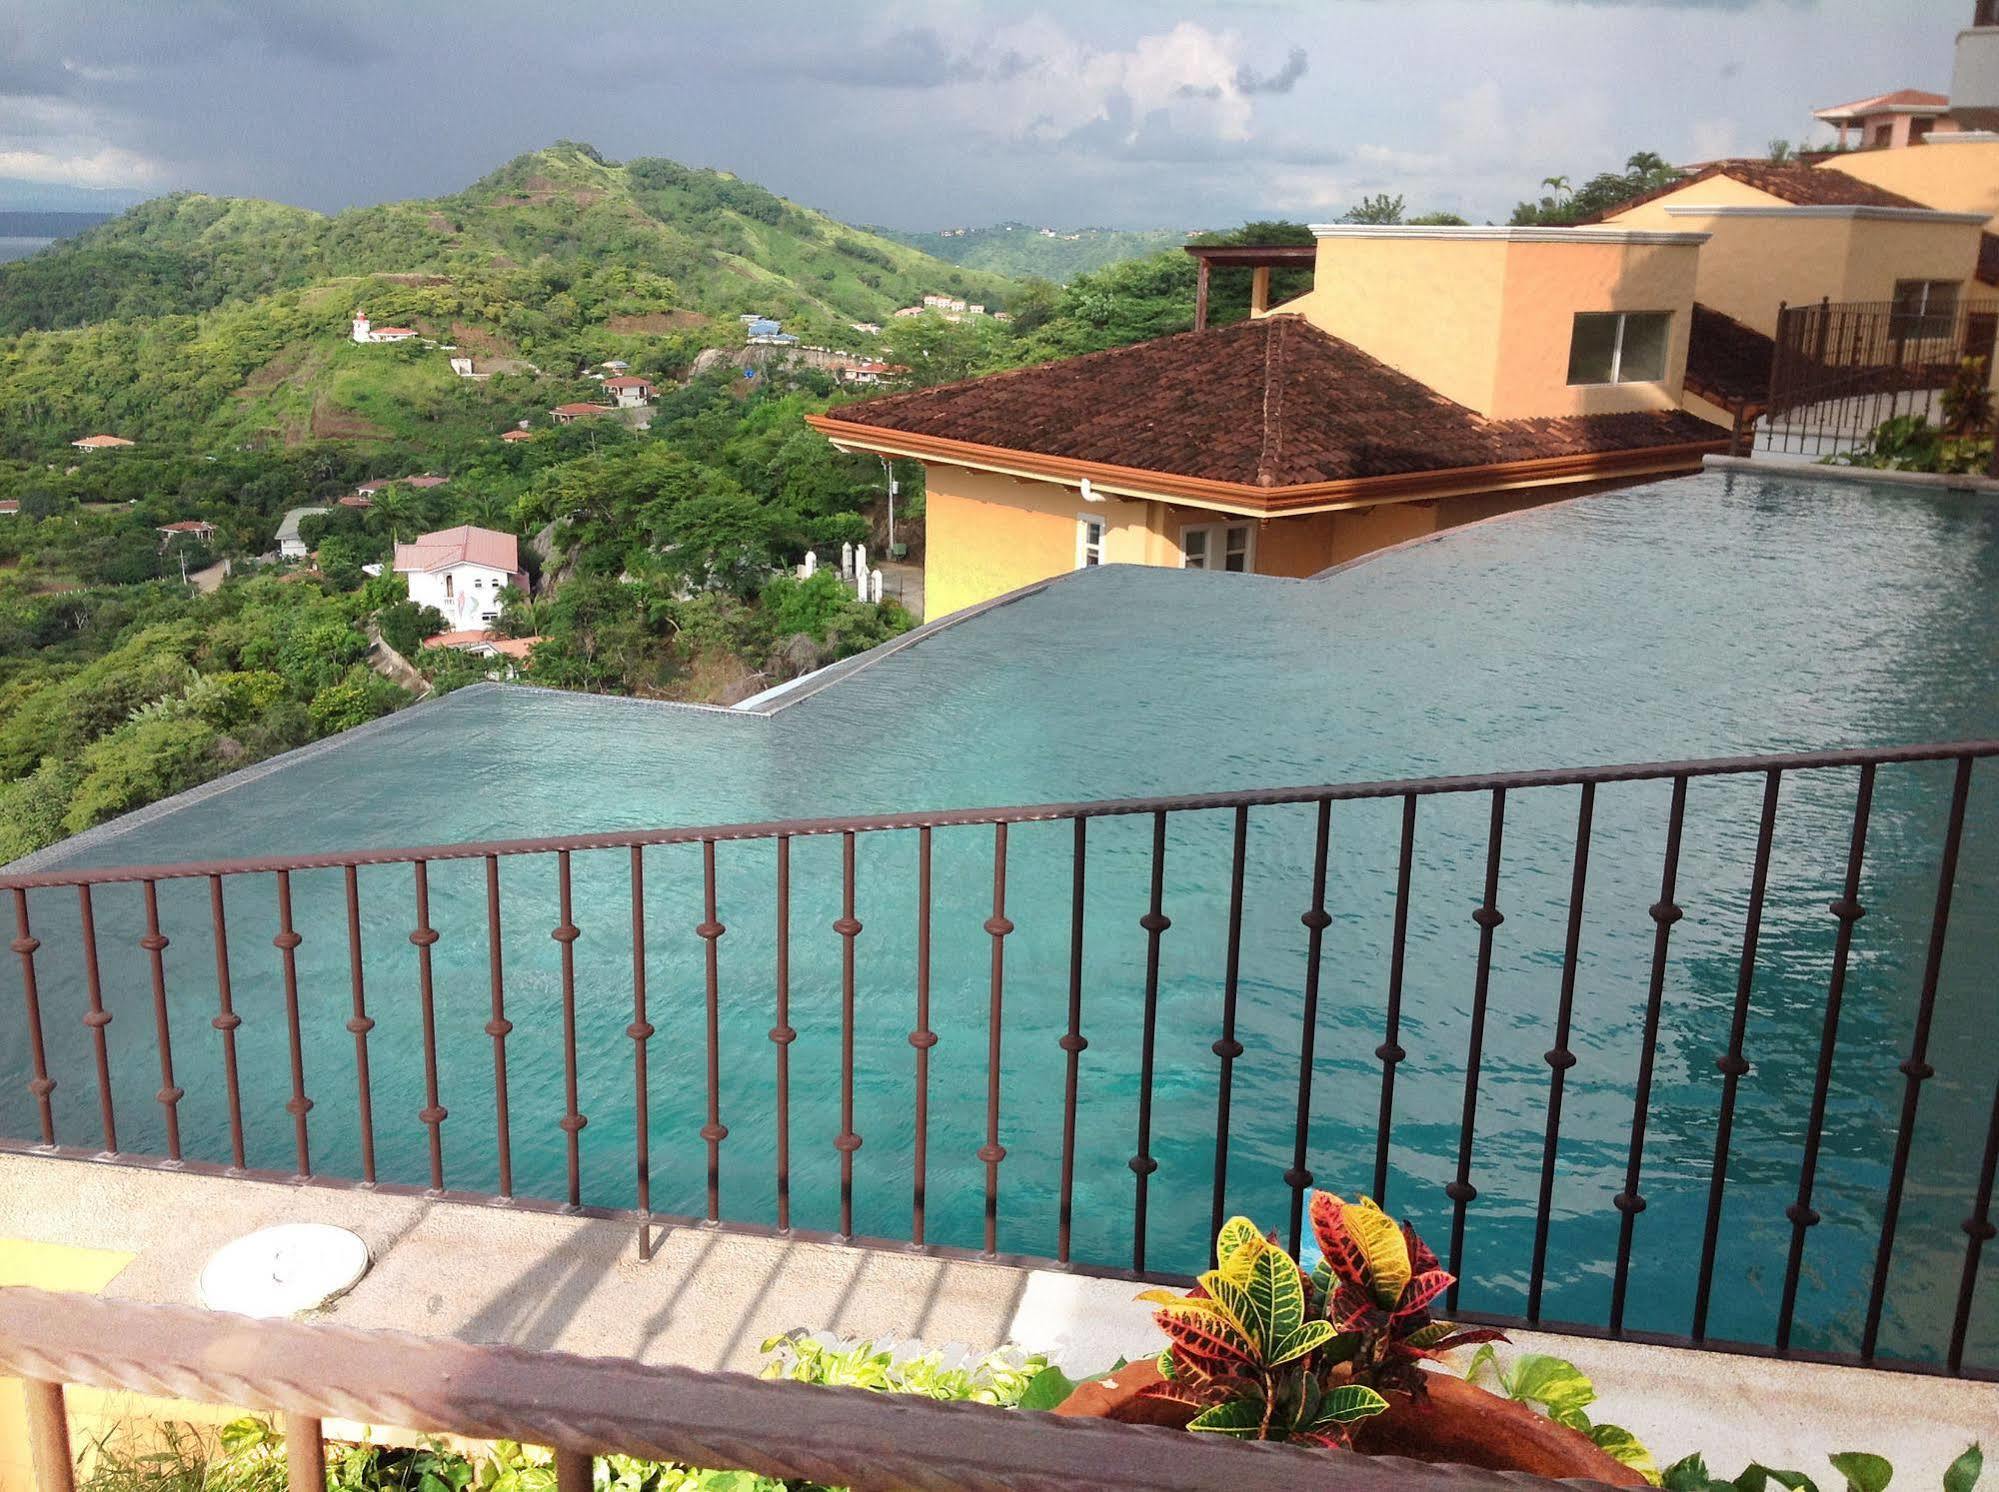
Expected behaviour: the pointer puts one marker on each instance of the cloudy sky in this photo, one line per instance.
(1127, 113)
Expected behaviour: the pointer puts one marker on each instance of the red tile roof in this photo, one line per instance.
(1901, 97)
(517, 435)
(464, 545)
(628, 383)
(509, 647)
(1270, 403)
(356, 500)
(101, 442)
(1728, 363)
(188, 526)
(425, 480)
(583, 409)
(10, 505)
(1797, 185)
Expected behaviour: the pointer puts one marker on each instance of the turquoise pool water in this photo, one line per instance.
(1706, 616)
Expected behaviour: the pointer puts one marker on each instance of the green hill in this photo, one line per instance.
(204, 320)
(1022, 250)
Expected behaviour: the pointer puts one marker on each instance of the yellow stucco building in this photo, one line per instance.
(1431, 377)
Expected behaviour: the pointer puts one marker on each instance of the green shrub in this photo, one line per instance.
(137, 764)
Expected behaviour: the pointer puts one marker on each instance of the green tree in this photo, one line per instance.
(1380, 208)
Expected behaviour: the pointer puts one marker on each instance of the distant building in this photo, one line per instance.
(1886, 121)
(462, 366)
(366, 331)
(290, 545)
(871, 328)
(629, 392)
(516, 435)
(359, 500)
(425, 481)
(569, 414)
(101, 443)
(9, 507)
(616, 365)
(869, 373)
(192, 528)
(461, 572)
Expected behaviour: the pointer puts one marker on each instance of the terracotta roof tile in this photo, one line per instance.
(1272, 402)
(1797, 185)
(1727, 363)
(1912, 97)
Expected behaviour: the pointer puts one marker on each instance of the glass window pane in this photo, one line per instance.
(1591, 346)
(1235, 549)
(1194, 545)
(1644, 355)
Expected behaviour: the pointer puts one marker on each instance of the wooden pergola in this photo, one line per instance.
(1261, 259)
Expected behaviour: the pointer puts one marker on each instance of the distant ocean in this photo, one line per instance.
(25, 233)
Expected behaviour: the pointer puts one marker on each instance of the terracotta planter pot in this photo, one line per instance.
(1459, 1423)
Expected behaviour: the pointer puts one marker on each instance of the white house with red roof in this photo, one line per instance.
(629, 391)
(101, 443)
(461, 571)
(366, 331)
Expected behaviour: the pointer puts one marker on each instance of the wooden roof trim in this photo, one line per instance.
(1242, 498)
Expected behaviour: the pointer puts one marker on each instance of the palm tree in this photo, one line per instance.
(396, 508)
(1559, 185)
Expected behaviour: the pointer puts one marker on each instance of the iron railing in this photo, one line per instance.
(1751, 1198)
(584, 1407)
(1840, 369)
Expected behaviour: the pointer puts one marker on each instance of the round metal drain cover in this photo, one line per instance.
(283, 1270)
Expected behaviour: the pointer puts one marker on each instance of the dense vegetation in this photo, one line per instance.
(214, 334)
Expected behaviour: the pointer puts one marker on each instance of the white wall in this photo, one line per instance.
(474, 593)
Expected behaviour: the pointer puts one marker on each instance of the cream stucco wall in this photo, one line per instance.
(986, 534)
(1962, 176)
(1753, 262)
(1487, 321)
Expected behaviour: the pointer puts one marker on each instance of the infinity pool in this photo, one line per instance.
(1708, 616)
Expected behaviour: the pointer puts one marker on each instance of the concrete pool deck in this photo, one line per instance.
(710, 1298)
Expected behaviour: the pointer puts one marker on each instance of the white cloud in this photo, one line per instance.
(102, 166)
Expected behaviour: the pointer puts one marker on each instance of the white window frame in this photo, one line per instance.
(1218, 538)
(1617, 347)
(1085, 522)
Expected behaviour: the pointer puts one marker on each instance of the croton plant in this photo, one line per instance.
(1269, 1351)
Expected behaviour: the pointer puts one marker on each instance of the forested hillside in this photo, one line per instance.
(215, 336)
(1025, 251)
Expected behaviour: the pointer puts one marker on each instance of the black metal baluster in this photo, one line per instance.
(1732, 1064)
(572, 1122)
(1227, 1048)
(1848, 910)
(782, 1035)
(1979, 1230)
(714, 1131)
(286, 942)
(96, 1018)
(360, 1023)
(1664, 913)
(433, 1114)
(922, 1039)
(1073, 1044)
(1915, 1067)
(992, 1152)
(1316, 920)
(170, 1094)
(1488, 917)
(848, 926)
(640, 1031)
(1155, 922)
(1558, 1057)
(1390, 1053)
(499, 1028)
(41, 1085)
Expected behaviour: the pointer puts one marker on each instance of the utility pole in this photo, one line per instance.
(888, 474)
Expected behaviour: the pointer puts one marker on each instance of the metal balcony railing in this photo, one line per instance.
(1233, 1117)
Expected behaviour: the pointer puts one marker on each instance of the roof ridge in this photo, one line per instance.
(1273, 405)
